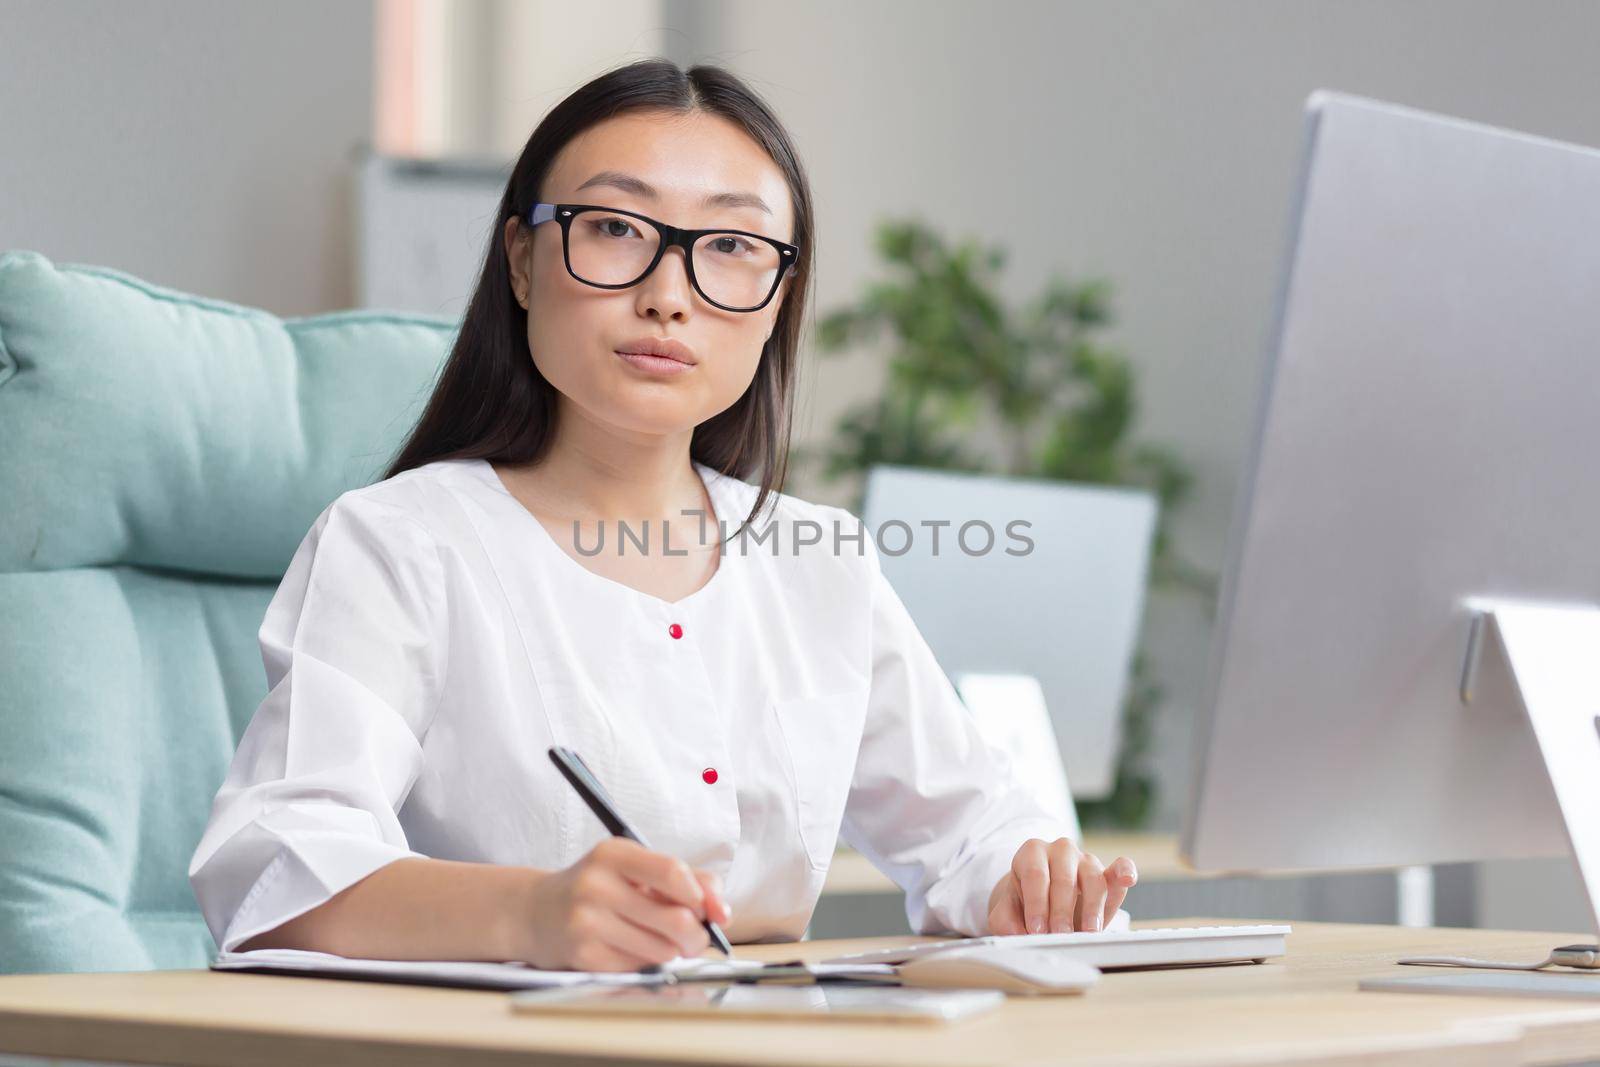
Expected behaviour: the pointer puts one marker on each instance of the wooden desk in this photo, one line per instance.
(1302, 1009)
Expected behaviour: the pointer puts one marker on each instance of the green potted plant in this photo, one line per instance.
(1060, 401)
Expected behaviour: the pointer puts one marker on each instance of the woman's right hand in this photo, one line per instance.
(619, 908)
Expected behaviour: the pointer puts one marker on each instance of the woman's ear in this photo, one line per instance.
(515, 238)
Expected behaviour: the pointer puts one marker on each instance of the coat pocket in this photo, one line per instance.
(821, 736)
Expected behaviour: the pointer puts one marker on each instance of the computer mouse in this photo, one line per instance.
(1014, 970)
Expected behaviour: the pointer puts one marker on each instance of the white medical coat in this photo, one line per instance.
(430, 641)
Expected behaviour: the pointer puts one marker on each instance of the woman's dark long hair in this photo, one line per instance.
(491, 402)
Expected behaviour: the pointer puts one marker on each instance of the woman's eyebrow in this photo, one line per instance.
(638, 187)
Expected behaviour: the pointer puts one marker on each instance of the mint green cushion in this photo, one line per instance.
(164, 455)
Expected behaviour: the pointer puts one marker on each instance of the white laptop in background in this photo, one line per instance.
(1065, 611)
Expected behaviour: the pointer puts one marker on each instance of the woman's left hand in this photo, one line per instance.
(1054, 887)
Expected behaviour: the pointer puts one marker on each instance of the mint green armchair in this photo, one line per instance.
(163, 455)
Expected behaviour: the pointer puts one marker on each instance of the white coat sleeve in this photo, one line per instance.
(932, 804)
(354, 644)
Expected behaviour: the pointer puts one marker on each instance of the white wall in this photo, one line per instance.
(199, 145)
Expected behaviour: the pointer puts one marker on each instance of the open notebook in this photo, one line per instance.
(521, 976)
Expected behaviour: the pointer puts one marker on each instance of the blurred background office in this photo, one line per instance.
(302, 157)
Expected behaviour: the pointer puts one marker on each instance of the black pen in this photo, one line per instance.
(575, 771)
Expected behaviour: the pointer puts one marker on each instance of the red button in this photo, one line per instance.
(709, 776)
(675, 630)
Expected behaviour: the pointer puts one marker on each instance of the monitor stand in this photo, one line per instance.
(1552, 654)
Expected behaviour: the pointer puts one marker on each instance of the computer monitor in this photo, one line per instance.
(1426, 456)
(1059, 598)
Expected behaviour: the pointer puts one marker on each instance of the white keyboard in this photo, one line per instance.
(1172, 946)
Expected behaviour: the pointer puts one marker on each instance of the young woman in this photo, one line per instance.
(627, 359)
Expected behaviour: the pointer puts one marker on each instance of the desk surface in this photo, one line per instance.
(1303, 1009)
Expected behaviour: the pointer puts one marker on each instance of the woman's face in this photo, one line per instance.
(575, 330)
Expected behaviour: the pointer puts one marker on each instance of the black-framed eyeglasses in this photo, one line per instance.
(609, 248)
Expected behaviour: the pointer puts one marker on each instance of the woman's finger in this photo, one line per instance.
(667, 875)
(1121, 876)
(675, 933)
(674, 925)
(1032, 868)
(1005, 917)
(1091, 891)
(1064, 857)
(599, 946)
(639, 942)
(718, 910)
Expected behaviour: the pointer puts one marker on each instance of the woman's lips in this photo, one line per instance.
(662, 366)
